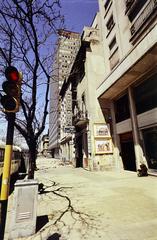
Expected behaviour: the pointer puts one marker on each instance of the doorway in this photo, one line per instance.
(127, 151)
(79, 154)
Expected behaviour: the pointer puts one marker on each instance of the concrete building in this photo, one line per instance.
(129, 86)
(114, 88)
(86, 74)
(67, 46)
(113, 84)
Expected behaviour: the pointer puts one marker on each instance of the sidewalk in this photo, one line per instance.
(83, 205)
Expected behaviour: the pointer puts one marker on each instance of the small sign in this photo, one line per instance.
(69, 129)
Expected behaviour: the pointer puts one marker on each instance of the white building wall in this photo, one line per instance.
(94, 73)
(134, 55)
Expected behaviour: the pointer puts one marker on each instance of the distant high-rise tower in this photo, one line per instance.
(67, 47)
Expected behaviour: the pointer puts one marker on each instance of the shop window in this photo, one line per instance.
(122, 108)
(146, 95)
(150, 144)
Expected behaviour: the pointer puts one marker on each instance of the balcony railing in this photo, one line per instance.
(90, 34)
(143, 16)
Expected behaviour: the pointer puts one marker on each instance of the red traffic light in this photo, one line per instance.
(12, 74)
(12, 90)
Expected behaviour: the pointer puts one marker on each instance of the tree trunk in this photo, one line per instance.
(32, 158)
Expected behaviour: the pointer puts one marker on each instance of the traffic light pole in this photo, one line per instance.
(6, 172)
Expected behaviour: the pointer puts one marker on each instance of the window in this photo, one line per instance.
(107, 3)
(1, 155)
(137, 7)
(114, 55)
(122, 108)
(110, 24)
(146, 95)
(113, 46)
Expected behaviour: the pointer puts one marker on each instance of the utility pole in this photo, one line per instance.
(6, 172)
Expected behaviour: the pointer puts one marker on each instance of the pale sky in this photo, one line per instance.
(79, 13)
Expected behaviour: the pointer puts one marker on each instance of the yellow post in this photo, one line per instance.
(6, 172)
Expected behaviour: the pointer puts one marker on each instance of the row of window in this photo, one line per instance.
(144, 97)
(70, 38)
(113, 46)
(65, 56)
(68, 47)
(134, 8)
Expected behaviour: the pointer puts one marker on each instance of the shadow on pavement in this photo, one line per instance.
(41, 221)
(55, 236)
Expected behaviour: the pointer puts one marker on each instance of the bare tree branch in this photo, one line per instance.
(27, 32)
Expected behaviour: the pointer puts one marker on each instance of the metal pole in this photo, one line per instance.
(6, 172)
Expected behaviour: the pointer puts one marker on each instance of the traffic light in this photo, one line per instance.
(12, 89)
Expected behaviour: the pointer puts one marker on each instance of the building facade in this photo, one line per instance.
(114, 101)
(113, 89)
(67, 46)
(88, 121)
(129, 87)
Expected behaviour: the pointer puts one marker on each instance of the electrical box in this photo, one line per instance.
(24, 211)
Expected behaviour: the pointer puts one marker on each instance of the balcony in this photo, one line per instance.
(143, 17)
(90, 35)
(80, 118)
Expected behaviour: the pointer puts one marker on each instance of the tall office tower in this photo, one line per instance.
(67, 47)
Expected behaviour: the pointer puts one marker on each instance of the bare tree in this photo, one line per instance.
(27, 41)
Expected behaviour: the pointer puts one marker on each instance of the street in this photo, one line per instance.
(77, 204)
